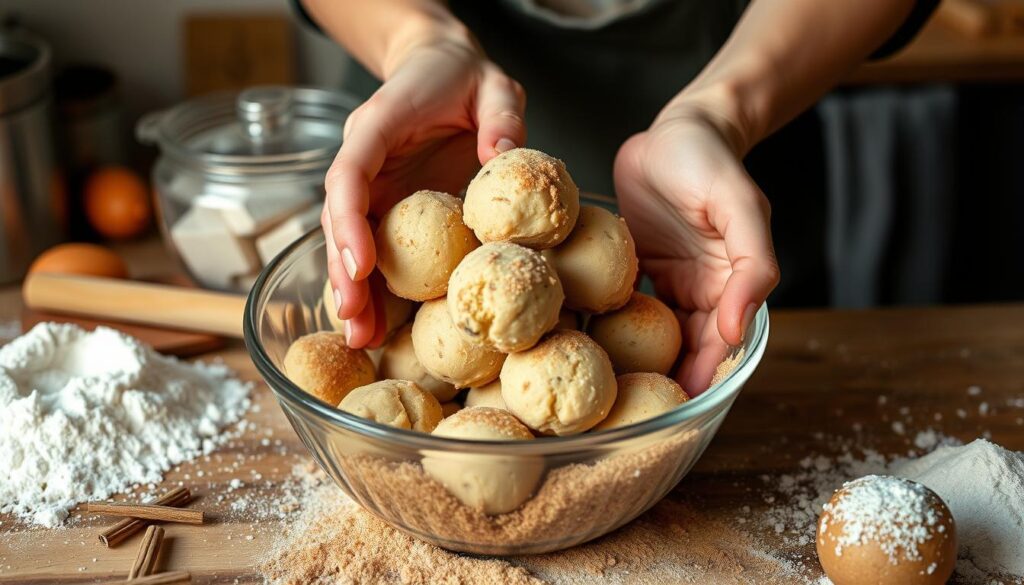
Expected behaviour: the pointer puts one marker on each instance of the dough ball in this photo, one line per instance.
(321, 364)
(504, 296)
(396, 309)
(446, 354)
(419, 243)
(562, 386)
(642, 336)
(494, 484)
(450, 408)
(886, 530)
(396, 403)
(642, 396)
(489, 395)
(597, 264)
(398, 362)
(522, 196)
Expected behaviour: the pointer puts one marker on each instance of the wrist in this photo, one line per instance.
(431, 28)
(737, 101)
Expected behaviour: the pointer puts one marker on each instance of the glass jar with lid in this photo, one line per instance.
(240, 176)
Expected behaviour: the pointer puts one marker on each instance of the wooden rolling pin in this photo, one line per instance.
(136, 302)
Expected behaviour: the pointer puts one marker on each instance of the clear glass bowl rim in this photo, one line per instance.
(546, 446)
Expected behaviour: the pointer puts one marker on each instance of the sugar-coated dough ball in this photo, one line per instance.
(562, 386)
(450, 408)
(494, 484)
(396, 403)
(642, 336)
(888, 531)
(396, 309)
(522, 196)
(504, 296)
(323, 365)
(642, 396)
(446, 354)
(597, 264)
(419, 243)
(398, 362)
(489, 395)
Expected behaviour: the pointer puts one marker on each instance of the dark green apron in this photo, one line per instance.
(589, 90)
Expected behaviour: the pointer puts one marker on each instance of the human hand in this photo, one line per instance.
(444, 111)
(702, 231)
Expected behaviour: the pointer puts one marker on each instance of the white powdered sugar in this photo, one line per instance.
(983, 485)
(891, 511)
(84, 415)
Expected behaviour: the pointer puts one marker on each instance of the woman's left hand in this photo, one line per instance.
(702, 230)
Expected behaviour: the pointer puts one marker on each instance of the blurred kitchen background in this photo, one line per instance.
(904, 186)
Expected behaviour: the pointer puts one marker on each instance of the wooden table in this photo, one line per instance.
(822, 375)
(941, 55)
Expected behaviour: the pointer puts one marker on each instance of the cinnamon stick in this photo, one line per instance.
(149, 549)
(147, 512)
(165, 578)
(114, 535)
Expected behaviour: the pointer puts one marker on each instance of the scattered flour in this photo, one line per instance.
(90, 414)
(9, 329)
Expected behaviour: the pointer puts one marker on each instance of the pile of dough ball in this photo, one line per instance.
(528, 326)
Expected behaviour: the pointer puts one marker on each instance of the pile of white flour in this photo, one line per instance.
(981, 482)
(84, 415)
(983, 485)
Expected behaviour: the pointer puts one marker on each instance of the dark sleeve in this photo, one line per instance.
(907, 31)
(304, 16)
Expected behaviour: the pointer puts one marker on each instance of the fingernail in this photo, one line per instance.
(748, 318)
(337, 301)
(348, 332)
(504, 144)
(350, 263)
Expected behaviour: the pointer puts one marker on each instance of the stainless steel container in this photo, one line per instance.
(33, 200)
(240, 176)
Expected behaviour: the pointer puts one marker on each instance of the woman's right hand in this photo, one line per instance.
(443, 111)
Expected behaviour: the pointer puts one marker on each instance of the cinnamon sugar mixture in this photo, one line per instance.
(336, 541)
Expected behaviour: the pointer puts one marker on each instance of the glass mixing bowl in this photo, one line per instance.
(581, 486)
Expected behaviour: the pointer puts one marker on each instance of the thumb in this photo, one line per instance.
(500, 110)
(744, 220)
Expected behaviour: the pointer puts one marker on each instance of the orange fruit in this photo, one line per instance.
(117, 203)
(85, 259)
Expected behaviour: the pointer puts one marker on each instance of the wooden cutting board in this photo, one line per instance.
(168, 341)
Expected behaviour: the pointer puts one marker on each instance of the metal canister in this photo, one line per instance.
(33, 199)
(241, 175)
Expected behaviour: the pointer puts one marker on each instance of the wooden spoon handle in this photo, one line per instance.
(136, 302)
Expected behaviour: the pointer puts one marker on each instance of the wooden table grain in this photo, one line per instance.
(822, 376)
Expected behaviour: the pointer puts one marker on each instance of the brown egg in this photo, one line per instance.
(117, 203)
(85, 259)
(886, 530)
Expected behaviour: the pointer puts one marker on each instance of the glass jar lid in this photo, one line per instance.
(260, 130)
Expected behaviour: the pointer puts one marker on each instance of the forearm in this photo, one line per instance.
(379, 33)
(782, 56)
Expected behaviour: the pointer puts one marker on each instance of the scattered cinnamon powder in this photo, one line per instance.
(336, 541)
